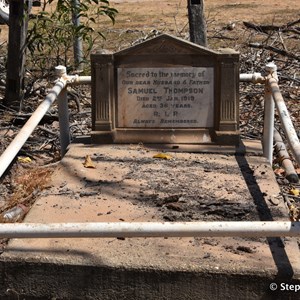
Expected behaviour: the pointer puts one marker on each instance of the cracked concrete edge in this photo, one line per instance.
(79, 282)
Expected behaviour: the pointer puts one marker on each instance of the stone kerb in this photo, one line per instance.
(165, 90)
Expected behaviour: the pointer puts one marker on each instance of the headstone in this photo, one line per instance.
(165, 90)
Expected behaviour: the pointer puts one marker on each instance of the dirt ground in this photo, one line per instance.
(183, 187)
(143, 13)
(137, 18)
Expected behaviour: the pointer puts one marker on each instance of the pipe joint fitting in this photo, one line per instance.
(72, 79)
(271, 68)
(257, 78)
(60, 71)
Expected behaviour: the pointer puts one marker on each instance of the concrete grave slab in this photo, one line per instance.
(128, 184)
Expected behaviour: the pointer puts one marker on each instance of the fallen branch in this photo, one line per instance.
(274, 49)
(266, 28)
(293, 23)
(48, 130)
(223, 37)
(21, 119)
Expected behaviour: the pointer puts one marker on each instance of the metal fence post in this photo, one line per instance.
(285, 119)
(269, 110)
(63, 114)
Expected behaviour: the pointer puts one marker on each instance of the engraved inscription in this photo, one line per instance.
(165, 97)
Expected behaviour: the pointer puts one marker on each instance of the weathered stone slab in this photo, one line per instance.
(165, 97)
(165, 90)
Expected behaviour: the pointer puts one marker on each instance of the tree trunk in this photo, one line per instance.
(18, 22)
(197, 22)
(78, 49)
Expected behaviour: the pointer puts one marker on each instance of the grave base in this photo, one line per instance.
(167, 136)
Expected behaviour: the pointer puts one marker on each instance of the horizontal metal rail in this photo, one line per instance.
(254, 78)
(151, 229)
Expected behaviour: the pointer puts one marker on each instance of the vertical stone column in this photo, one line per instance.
(102, 96)
(227, 127)
(229, 93)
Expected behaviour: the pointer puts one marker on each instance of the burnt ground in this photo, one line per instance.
(191, 188)
(185, 187)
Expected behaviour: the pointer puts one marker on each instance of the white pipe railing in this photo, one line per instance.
(151, 229)
(254, 78)
(77, 80)
(14, 147)
(63, 111)
(272, 94)
(269, 115)
(285, 119)
(58, 91)
(284, 158)
(146, 229)
(274, 98)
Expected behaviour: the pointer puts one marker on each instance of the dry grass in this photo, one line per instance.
(27, 186)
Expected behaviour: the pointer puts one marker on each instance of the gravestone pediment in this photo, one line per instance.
(166, 44)
(165, 90)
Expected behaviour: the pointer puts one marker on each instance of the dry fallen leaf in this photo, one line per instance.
(88, 163)
(162, 156)
(24, 159)
(294, 192)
